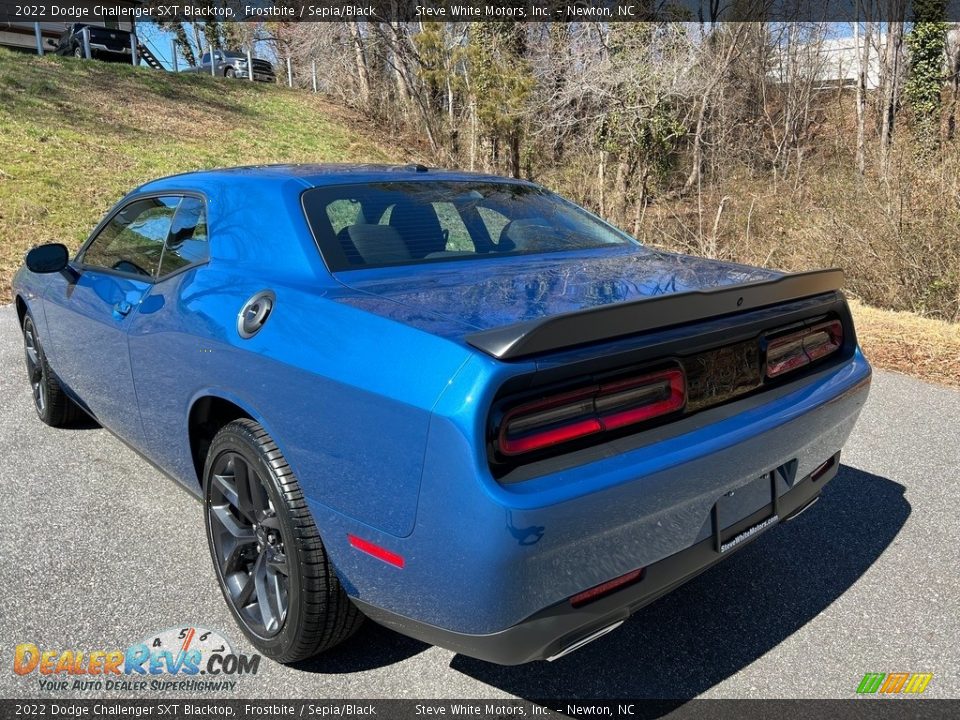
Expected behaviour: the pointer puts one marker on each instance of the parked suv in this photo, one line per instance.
(105, 43)
(234, 64)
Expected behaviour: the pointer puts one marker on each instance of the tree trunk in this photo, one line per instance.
(515, 154)
(697, 156)
(863, 68)
(601, 181)
(641, 204)
(363, 74)
(399, 62)
(890, 99)
(953, 72)
(473, 136)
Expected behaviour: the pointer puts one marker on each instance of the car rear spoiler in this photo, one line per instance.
(610, 321)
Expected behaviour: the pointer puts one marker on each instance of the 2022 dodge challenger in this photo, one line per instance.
(456, 404)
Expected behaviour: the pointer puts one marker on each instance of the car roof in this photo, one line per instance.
(316, 175)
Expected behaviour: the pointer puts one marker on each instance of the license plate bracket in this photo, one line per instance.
(731, 527)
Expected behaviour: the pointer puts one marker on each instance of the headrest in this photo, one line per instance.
(419, 227)
(377, 244)
(525, 234)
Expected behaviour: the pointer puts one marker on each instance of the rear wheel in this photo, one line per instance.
(78, 52)
(269, 559)
(51, 402)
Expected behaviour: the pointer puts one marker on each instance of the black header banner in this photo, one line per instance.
(465, 10)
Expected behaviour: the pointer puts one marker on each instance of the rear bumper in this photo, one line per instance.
(489, 568)
(561, 628)
(258, 75)
(101, 48)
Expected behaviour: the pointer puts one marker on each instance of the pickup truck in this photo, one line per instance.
(110, 44)
(234, 64)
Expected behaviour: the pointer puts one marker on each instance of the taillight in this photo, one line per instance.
(587, 411)
(803, 347)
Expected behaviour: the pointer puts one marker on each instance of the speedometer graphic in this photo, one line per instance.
(195, 642)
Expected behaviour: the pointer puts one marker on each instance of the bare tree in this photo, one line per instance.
(891, 80)
(862, 50)
(363, 73)
(721, 46)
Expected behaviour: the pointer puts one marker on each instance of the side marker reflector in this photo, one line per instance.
(376, 551)
(604, 589)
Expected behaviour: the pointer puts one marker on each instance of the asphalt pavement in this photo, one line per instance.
(98, 549)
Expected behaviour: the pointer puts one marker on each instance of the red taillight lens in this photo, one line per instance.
(787, 353)
(577, 414)
(644, 398)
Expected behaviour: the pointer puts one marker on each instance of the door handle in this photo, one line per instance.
(122, 309)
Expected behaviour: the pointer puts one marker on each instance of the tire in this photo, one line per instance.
(270, 562)
(49, 399)
(229, 72)
(78, 52)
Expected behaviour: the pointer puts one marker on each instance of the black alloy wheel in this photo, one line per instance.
(249, 545)
(51, 402)
(270, 561)
(35, 374)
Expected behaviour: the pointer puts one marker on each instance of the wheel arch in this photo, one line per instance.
(208, 415)
(21, 305)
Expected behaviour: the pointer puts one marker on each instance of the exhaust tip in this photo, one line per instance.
(802, 510)
(585, 640)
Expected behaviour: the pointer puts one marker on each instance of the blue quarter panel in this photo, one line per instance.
(350, 418)
(355, 435)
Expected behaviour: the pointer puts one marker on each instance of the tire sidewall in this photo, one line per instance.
(41, 361)
(234, 440)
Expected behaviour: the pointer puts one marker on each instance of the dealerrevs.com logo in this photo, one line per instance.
(174, 659)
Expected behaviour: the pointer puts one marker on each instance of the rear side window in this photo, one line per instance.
(412, 222)
(133, 241)
(187, 241)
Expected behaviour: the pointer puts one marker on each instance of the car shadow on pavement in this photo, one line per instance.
(83, 422)
(374, 646)
(709, 629)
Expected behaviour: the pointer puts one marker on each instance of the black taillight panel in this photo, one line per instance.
(540, 421)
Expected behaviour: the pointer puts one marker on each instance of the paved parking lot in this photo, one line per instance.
(99, 549)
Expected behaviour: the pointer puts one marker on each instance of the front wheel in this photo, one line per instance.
(53, 405)
(269, 559)
(229, 72)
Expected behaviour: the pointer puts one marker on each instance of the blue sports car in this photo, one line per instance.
(454, 403)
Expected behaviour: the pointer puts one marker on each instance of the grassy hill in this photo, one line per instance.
(76, 136)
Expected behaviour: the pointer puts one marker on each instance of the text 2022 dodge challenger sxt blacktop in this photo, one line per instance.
(456, 404)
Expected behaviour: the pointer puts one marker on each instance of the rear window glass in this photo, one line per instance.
(396, 222)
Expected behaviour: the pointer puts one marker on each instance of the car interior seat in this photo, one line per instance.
(419, 227)
(373, 244)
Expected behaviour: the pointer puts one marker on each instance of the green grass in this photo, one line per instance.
(75, 136)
